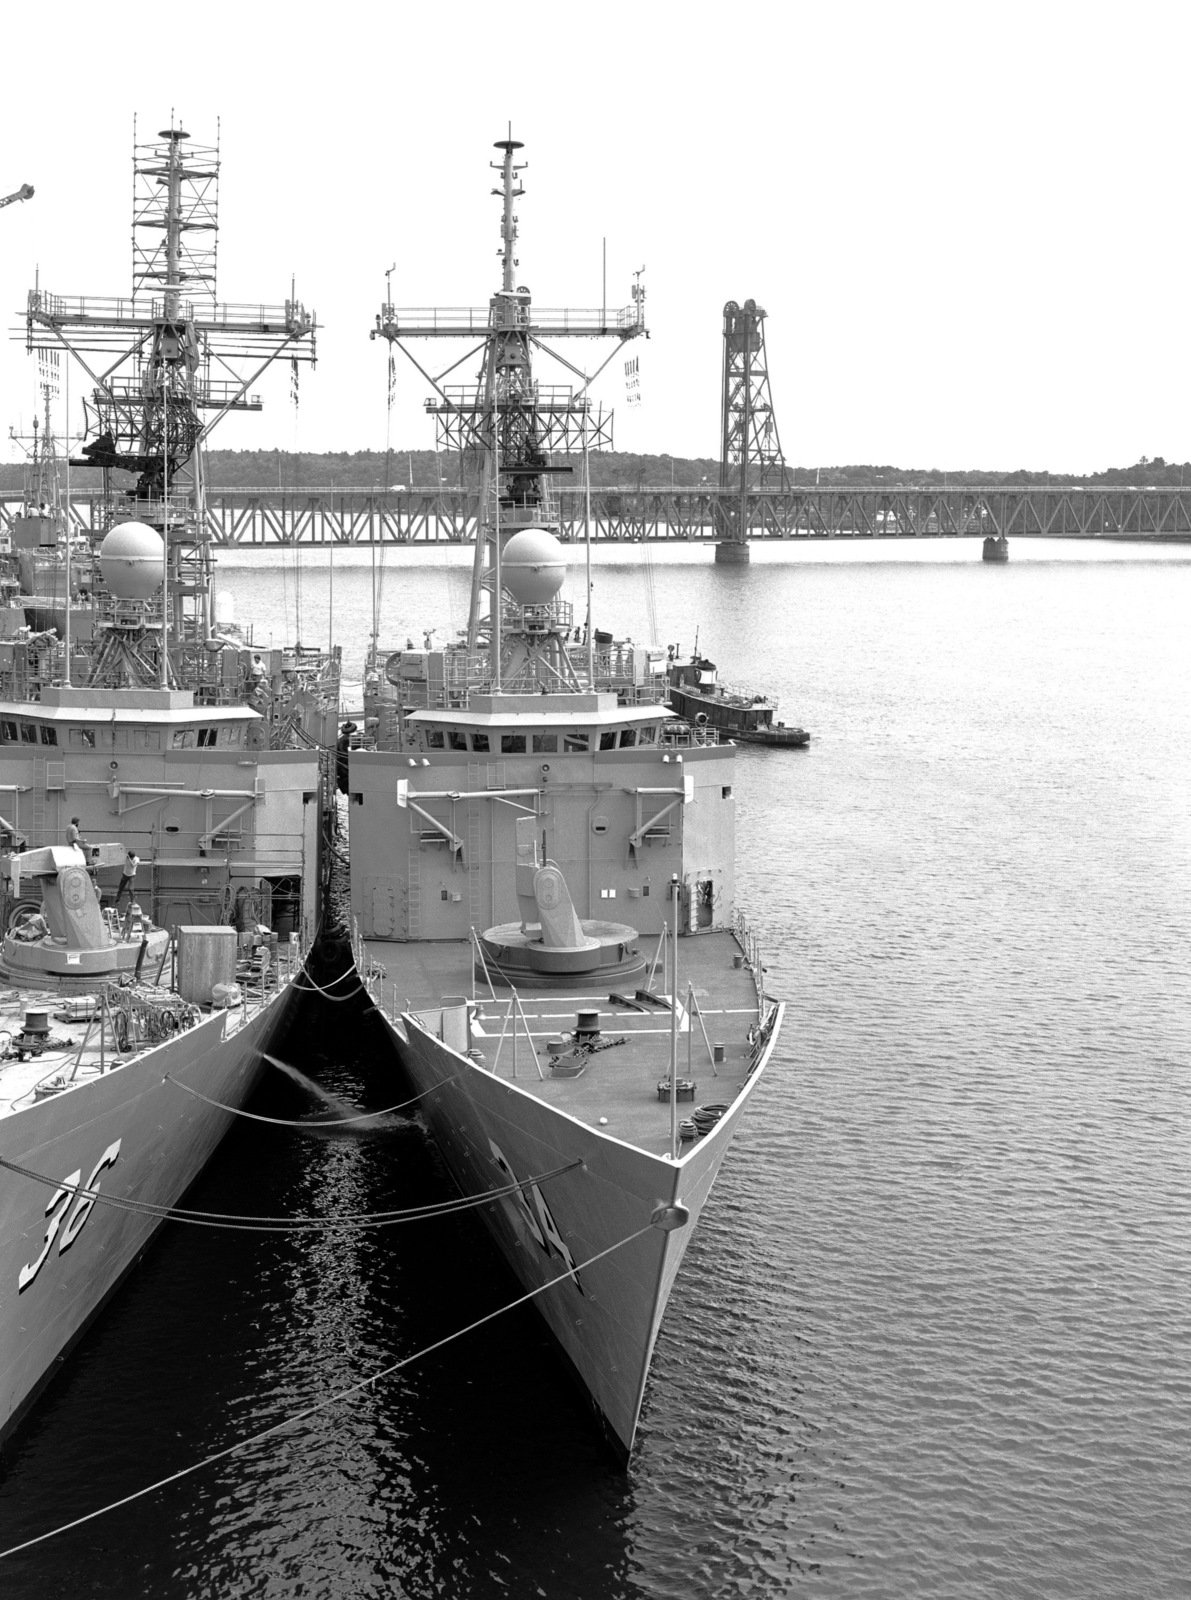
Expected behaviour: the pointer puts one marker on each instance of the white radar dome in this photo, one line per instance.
(533, 567)
(130, 559)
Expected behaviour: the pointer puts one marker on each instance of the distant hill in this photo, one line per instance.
(376, 469)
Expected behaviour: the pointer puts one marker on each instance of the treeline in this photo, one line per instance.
(424, 469)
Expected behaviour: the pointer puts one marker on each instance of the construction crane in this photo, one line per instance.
(25, 192)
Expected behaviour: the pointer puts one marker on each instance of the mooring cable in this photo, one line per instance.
(310, 987)
(322, 1405)
(308, 1123)
(239, 1223)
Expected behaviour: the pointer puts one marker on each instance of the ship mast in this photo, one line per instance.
(510, 423)
(165, 366)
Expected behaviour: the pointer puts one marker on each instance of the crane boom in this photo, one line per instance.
(25, 192)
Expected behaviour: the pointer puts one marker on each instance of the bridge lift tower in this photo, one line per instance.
(751, 454)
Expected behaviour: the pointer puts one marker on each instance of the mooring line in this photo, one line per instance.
(309, 1124)
(310, 987)
(321, 1405)
(239, 1223)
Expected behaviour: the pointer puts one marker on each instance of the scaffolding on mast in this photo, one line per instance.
(164, 365)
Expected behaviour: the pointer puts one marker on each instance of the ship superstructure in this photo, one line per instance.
(517, 436)
(543, 883)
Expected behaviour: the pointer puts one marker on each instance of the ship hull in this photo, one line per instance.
(593, 1216)
(131, 1133)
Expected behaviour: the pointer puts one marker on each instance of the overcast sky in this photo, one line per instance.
(968, 224)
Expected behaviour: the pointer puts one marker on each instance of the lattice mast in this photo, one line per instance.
(508, 421)
(751, 452)
(172, 362)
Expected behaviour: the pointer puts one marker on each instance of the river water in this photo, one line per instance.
(933, 1337)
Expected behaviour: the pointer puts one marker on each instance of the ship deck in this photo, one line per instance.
(68, 1055)
(617, 1088)
(76, 1048)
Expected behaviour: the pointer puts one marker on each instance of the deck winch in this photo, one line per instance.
(35, 1038)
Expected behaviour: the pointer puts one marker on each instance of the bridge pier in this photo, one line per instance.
(732, 553)
(996, 548)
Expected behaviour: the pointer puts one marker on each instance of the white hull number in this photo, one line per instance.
(60, 1204)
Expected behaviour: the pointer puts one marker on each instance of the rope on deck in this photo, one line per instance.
(322, 1405)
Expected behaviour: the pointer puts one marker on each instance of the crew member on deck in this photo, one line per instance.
(74, 835)
(131, 862)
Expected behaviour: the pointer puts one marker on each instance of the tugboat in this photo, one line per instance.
(543, 889)
(697, 695)
(142, 977)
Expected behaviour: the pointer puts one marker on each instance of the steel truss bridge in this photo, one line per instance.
(334, 516)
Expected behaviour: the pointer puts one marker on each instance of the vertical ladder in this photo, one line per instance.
(475, 887)
(475, 897)
(413, 892)
(38, 837)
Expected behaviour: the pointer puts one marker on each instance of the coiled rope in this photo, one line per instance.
(248, 1224)
(322, 1405)
(308, 1124)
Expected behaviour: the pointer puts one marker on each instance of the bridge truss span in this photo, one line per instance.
(332, 516)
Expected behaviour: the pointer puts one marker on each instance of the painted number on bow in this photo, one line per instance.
(60, 1203)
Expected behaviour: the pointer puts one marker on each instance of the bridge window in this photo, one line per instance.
(82, 738)
(48, 735)
(572, 743)
(183, 738)
(8, 731)
(545, 744)
(647, 735)
(608, 740)
(28, 733)
(435, 739)
(207, 736)
(628, 738)
(479, 741)
(512, 744)
(456, 740)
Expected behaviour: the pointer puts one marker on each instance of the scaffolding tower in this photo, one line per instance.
(165, 366)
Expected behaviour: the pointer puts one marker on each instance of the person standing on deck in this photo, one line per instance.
(131, 862)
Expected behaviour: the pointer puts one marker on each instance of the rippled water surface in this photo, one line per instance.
(933, 1337)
